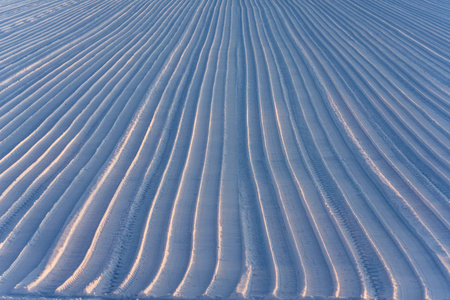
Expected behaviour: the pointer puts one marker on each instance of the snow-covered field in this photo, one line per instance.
(235, 148)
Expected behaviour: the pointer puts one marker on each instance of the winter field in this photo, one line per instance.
(238, 148)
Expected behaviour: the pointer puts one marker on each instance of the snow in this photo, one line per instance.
(225, 149)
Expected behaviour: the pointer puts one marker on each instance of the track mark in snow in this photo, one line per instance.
(222, 149)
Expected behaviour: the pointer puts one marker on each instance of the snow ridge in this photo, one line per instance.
(282, 149)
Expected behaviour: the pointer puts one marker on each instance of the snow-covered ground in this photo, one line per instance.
(235, 148)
